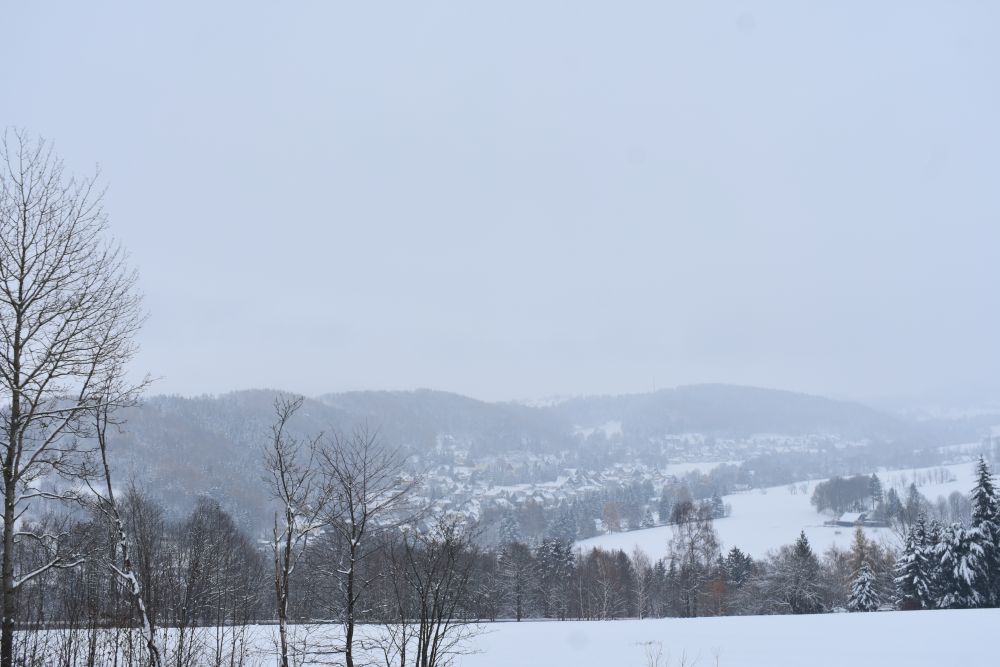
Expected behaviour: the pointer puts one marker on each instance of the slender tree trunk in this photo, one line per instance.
(127, 572)
(10, 497)
(349, 621)
(281, 590)
(9, 603)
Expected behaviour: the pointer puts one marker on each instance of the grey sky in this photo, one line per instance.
(516, 199)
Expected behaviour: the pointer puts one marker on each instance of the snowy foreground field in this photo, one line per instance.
(910, 639)
(765, 519)
(913, 639)
(946, 638)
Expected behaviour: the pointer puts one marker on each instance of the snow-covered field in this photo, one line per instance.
(914, 639)
(763, 520)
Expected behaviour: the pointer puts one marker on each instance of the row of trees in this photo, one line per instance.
(955, 565)
(420, 588)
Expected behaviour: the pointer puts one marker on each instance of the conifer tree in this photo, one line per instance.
(961, 581)
(985, 531)
(864, 596)
(915, 570)
(803, 588)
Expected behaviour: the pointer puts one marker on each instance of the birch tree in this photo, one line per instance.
(69, 311)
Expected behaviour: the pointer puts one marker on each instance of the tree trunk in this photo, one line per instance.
(349, 620)
(9, 603)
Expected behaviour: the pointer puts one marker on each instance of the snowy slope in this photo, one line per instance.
(762, 520)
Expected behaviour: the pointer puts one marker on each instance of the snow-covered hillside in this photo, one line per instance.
(765, 519)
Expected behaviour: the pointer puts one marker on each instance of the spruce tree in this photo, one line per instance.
(985, 531)
(864, 596)
(961, 579)
(914, 573)
(803, 587)
(875, 490)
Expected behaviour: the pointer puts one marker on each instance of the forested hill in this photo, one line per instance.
(176, 447)
(734, 411)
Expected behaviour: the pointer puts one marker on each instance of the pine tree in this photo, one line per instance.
(564, 527)
(961, 579)
(914, 571)
(985, 531)
(803, 592)
(864, 596)
(875, 490)
(738, 567)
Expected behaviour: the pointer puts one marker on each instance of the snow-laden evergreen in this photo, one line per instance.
(915, 570)
(962, 580)
(985, 531)
(864, 595)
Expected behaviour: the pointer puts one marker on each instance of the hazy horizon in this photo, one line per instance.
(520, 201)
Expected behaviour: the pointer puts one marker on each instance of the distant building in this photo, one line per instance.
(851, 519)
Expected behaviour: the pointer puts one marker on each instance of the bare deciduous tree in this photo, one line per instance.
(292, 478)
(116, 395)
(438, 566)
(367, 496)
(69, 310)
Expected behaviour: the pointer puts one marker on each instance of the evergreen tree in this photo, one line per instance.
(564, 527)
(864, 596)
(802, 583)
(914, 572)
(875, 490)
(555, 561)
(738, 567)
(961, 581)
(893, 506)
(985, 531)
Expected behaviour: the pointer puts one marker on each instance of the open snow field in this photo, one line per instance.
(763, 520)
(914, 639)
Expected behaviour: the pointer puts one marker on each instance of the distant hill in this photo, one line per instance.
(733, 411)
(176, 447)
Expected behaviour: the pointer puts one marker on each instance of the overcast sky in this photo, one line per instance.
(519, 199)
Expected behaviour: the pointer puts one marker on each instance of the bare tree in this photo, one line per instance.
(367, 496)
(438, 568)
(69, 311)
(116, 395)
(643, 580)
(292, 478)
